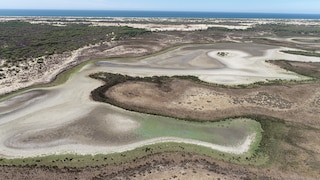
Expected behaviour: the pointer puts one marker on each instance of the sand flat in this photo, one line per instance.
(242, 66)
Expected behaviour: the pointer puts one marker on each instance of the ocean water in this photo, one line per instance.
(153, 14)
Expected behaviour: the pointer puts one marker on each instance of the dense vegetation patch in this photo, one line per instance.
(282, 29)
(279, 29)
(303, 53)
(21, 40)
(114, 79)
(310, 69)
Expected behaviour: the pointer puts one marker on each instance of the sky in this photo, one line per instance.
(264, 6)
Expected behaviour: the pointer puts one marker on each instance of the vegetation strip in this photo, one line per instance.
(303, 53)
(22, 40)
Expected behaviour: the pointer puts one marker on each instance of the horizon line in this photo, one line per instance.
(193, 11)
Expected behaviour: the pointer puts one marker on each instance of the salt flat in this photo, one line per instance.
(242, 66)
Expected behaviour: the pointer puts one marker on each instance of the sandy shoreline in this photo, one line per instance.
(93, 150)
(238, 66)
(51, 67)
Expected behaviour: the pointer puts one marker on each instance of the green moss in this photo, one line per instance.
(221, 133)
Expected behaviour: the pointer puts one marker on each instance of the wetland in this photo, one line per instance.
(228, 107)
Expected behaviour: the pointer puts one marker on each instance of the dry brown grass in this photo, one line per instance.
(190, 100)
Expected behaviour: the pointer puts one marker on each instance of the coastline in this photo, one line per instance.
(154, 14)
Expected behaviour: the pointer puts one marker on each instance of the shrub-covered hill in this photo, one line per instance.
(22, 40)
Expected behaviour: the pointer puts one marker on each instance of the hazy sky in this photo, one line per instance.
(275, 6)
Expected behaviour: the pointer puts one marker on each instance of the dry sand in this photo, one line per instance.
(51, 68)
(237, 67)
(65, 146)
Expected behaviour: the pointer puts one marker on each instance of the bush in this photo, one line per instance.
(21, 40)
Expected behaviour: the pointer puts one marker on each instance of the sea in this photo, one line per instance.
(153, 14)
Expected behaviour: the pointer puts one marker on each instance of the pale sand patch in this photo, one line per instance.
(66, 103)
(82, 149)
(126, 50)
(238, 67)
(33, 76)
(16, 145)
(172, 27)
(195, 97)
(121, 124)
(20, 101)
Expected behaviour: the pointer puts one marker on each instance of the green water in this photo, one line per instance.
(229, 132)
